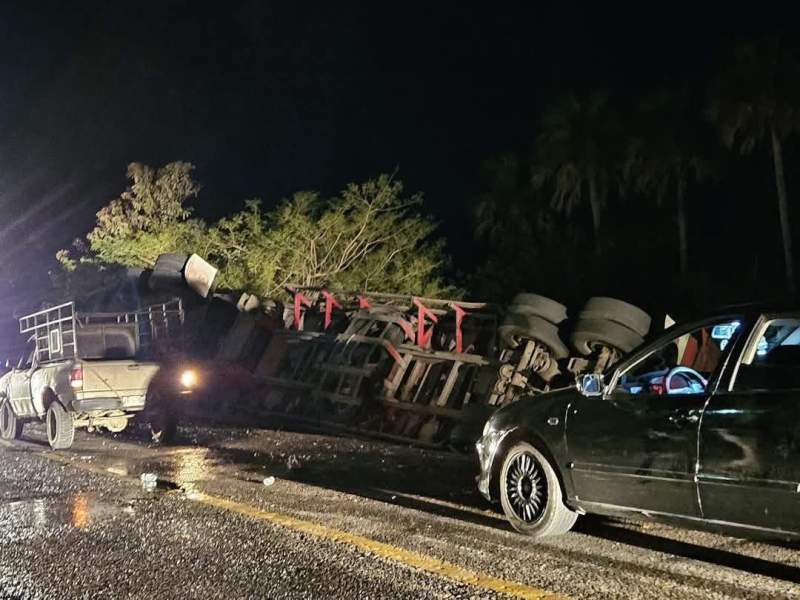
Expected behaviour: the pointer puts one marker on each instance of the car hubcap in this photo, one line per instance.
(526, 486)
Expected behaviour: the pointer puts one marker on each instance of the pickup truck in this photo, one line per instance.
(701, 426)
(92, 370)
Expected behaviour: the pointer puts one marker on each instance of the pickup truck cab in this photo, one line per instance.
(701, 427)
(84, 370)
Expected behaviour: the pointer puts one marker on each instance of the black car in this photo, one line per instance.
(700, 426)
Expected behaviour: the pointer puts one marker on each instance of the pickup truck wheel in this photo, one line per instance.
(10, 426)
(60, 427)
(530, 494)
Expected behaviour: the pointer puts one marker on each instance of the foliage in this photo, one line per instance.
(575, 153)
(755, 96)
(755, 91)
(668, 152)
(370, 237)
(149, 218)
(525, 244)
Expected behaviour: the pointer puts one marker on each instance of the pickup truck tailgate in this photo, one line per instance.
(117, 378)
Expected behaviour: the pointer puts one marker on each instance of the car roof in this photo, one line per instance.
(757, 308)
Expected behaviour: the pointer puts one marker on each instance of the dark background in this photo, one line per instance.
(267, 98)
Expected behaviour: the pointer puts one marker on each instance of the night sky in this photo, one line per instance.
(268, 98)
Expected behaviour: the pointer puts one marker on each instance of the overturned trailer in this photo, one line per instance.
(420, 369)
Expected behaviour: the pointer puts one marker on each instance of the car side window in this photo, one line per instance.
(683, 364)
(772, 359)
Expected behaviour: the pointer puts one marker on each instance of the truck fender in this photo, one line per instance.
(47, 396)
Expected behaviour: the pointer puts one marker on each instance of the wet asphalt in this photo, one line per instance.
(81, 525)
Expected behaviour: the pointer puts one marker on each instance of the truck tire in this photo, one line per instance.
(539, 306)
(530, 494)
(590, 333)
(168, 272)
(611, 309)
(10, 426)
(60, 427)
(531, 327)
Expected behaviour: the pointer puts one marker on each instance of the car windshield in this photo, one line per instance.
(683, 364)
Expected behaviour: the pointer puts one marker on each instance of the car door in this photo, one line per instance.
(636, 446)
(749, 468)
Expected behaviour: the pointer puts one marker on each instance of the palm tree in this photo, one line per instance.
(507, 206)
(575, 154)
(757, 97)
(668, 154)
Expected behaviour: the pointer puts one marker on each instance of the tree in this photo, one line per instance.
(367, 238)
(575, 153)
(149, 218)
(668, 154)
(526, 244)
(756, 96)
(370, 237)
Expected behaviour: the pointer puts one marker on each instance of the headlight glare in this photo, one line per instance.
(189, 378)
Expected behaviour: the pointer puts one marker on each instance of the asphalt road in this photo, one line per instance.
(344, 518)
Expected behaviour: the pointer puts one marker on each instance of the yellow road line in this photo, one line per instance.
(381, 549)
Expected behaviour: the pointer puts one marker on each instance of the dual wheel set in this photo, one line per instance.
(602, 322)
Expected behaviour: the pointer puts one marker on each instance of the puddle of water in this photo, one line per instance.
(179, 470)
(79, 511)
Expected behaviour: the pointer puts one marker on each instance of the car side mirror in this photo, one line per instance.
(590, 384)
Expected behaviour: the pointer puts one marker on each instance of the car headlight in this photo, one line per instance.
(189, 378)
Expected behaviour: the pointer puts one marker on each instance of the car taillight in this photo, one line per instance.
(76, 377)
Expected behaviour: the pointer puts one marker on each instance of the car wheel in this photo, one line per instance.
(60, 427)
(530, 494)
(164, 428)
(10, 426)
(591, 333)
(611, 309)
(529, 326)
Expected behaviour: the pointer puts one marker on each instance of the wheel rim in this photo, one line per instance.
(526, 487)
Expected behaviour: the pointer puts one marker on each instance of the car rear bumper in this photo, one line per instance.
(126, 403)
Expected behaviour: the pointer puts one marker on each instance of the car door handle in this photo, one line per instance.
(682, 417)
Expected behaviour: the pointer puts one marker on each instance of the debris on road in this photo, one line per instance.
(149, 481)
(268, 481)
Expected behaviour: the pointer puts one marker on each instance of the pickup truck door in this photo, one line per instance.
(749, 469)
(636, 447)
(20, 389)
